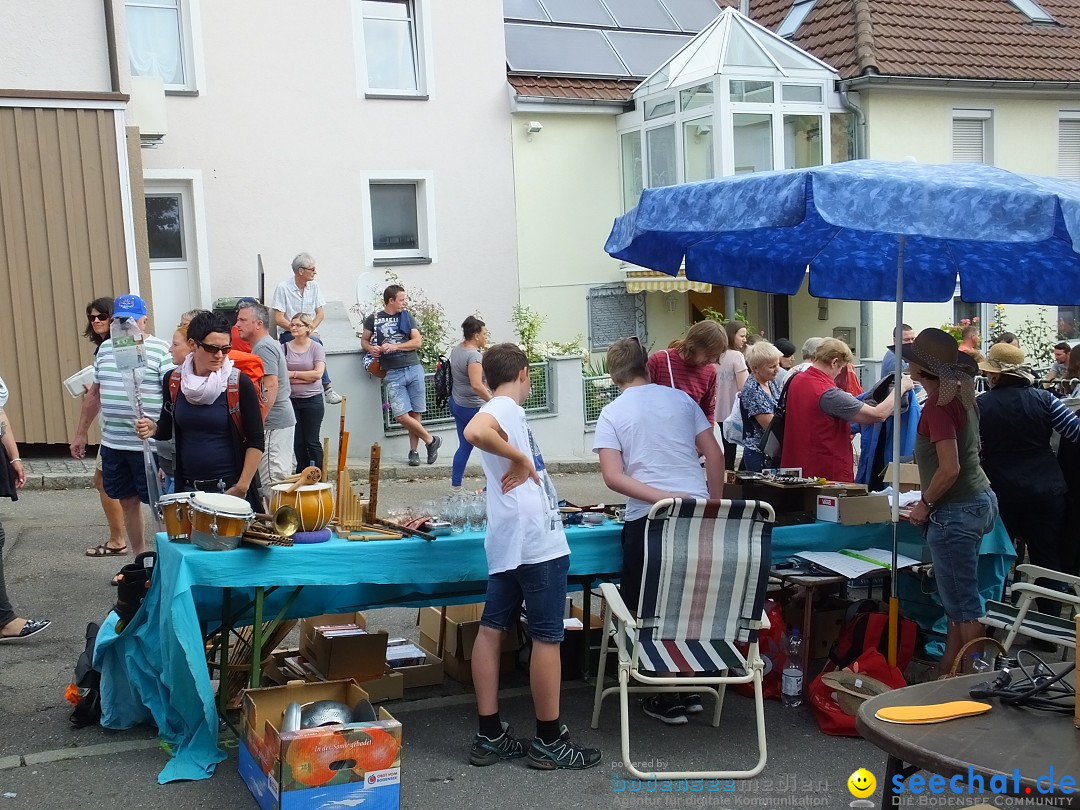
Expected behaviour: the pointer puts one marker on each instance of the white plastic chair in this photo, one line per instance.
(703, 587)
(1022, 619)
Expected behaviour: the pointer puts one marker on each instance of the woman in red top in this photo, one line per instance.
(689, 364)
(817, 428)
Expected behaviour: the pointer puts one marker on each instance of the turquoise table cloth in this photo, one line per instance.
(155, 670)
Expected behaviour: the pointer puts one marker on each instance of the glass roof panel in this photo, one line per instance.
(582, 12)
(524, 10)
(554, 49)
(644, 53)
(648, 14)
(790, 56)
(744, 50)
(692, 15)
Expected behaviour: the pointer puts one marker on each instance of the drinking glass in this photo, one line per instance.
(477, 513)
(456, 513)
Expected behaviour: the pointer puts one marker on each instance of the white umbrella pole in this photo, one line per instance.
(898, 336)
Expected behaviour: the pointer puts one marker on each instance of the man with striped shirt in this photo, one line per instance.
(123, 472)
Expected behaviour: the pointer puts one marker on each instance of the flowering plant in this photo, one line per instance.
(957, 329)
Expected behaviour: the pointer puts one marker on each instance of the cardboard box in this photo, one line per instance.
(826, 621)
(389, 685)
(853, 510)
(317, 767)
(909, 477)
(460, 669)
(429, 673)
(360, 657)
(462, 625)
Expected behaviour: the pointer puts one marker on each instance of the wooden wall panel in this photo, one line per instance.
(62, 243)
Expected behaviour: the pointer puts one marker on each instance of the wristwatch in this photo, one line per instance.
(928, 504)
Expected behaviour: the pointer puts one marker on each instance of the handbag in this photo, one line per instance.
(734, 425)
(772, 439)
(372, 367)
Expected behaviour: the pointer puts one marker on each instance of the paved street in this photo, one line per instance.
(47, 764)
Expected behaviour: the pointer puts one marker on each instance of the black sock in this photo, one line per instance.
(491, 726)
(548, 731)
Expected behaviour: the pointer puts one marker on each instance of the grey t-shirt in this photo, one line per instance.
(461, 357)
(281, 414)
(839, 403)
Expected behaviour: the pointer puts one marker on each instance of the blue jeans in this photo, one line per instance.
(954, 533)
(542, 586)
(286, 337)
(405, 390)
(462, 417)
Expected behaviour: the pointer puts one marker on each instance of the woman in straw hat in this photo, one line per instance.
(1016, 421)
(958, 506)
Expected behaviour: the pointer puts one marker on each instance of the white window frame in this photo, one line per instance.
(1068, 153)
(425, 253)
(969, 119)
(425, 75)
(190, 46)
(189, 184)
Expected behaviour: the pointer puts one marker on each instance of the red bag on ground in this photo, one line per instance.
(867, 627)
(831, 718)
(771, 644)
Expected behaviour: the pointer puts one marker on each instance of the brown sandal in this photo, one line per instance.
(105, 550)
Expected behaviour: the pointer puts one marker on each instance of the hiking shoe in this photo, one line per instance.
(561, 754)
(331, 396)
(488, 752)
(667, 708)
(692, 702)
(414, 458)
(433, 449)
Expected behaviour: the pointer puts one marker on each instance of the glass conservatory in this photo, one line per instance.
(736, 99)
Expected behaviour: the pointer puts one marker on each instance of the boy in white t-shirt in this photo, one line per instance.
(649, 440)
(528, 560)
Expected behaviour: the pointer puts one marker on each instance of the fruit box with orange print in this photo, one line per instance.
(337, 765)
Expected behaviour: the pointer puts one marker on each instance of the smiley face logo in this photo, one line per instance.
(861, 783)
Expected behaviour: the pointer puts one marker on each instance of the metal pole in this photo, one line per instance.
(894, 601)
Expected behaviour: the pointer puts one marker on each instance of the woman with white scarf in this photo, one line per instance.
(211, 454)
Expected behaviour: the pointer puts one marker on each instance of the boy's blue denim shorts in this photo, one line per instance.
(542, 586)
(954, 534)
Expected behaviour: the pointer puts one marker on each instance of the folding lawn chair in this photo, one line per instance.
(702, 589)
(1023, 619)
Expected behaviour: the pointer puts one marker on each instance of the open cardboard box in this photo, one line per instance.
(361, 657)
(314, 768)
(389, 685)
(909, 477)
(853, 510)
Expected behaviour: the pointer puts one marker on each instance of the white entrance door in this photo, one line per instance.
(174, 271)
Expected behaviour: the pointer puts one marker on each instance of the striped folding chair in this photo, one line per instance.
(702, 590)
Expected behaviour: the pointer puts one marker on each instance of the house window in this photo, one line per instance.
(631, 169)
(159, 42)
(698, 150)
(662, 159)
(972, 136)
(1069, 145)
(393, 52)
(400, 221)
(753, 142)
(795, 17)
(1033, 11)
(802, 141)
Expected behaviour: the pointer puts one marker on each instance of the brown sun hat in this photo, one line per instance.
(938, 352)
(851, 688)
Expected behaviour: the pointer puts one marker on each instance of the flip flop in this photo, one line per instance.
(105, 550)
(31, 628)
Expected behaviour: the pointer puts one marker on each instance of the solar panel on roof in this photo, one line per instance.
(649, 14)
(555, 49)
(582, 12)
(644, 53)
(692, 15)
(524, 10)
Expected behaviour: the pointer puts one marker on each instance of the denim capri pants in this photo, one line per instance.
(954, 534)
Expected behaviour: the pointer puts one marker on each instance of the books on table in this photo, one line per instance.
(855, 563)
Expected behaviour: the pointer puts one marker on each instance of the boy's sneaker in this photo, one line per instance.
(433, 449)
(667, 708)
(488, 752)
(414, 458)
(692, 702)
(331, 396)
(561, 754)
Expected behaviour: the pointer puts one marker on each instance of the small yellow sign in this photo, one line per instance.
(861, 783)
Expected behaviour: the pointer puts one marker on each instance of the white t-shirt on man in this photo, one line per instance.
(656, 429)
(524, 525)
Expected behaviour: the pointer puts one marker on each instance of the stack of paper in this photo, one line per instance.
(856, 563)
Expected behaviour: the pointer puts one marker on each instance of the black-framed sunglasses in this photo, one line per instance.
(98, 317)
(641, 347)
(210, 348)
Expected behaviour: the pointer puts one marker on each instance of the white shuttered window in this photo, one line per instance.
(972, 136)
(1069, 145)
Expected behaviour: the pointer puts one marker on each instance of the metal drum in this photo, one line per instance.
(314, 502)
(218, 520)
(173, 509)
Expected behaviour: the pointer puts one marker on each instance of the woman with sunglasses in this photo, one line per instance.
(98, 320)
(306, 360)
(211, 454)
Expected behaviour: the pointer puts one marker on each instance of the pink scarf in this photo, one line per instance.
(203, 390)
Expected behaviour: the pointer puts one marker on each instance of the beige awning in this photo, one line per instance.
(654, 281)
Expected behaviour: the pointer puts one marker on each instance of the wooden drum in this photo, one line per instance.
(173, 509)
(218, 520)
(314, 502)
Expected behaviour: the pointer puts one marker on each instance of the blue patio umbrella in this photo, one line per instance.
(867, 230)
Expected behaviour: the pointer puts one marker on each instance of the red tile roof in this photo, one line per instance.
(562, 87)
(964, 39)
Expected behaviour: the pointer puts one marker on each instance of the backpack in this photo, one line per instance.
(232, 396)
(867, 627)
(444, 382)
(771, 441)
(250, 364)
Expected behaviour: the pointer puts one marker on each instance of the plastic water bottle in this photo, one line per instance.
(127, 340)
(791, 682)
(979, 664)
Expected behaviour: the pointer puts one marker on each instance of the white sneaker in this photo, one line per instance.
(331, 396)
